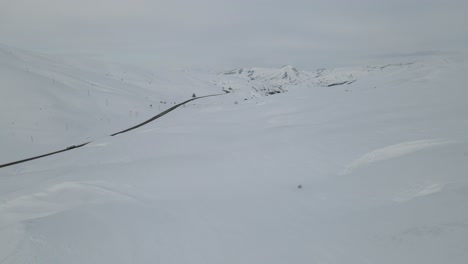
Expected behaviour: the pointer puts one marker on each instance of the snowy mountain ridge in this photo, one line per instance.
(270, 81)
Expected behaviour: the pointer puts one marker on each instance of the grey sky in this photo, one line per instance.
(226, 34)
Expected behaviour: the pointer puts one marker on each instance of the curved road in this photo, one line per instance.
(114, 134)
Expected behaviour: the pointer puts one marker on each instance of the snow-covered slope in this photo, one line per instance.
(381, 164)
(47, 104)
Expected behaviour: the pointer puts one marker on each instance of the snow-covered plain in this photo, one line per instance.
(382, 161)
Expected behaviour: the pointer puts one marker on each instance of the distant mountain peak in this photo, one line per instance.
(289, 67)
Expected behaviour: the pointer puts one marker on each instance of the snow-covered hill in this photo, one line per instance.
(381, 163)
(46, 103)
(271, 81)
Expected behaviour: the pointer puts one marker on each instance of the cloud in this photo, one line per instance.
(216, 33)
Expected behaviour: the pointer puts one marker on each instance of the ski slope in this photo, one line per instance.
(382, 162)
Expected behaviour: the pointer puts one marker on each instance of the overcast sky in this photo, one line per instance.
(236, 33)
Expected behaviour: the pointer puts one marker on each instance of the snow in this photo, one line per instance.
(394, 151)
(382, 163)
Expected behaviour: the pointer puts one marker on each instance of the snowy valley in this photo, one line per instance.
(364, 164)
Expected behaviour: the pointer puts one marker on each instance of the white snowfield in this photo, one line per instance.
(393, 151)
(382, 162)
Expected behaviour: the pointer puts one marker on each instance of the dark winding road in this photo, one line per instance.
(114, 134)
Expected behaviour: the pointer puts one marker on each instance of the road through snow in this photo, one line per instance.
(114, 134)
